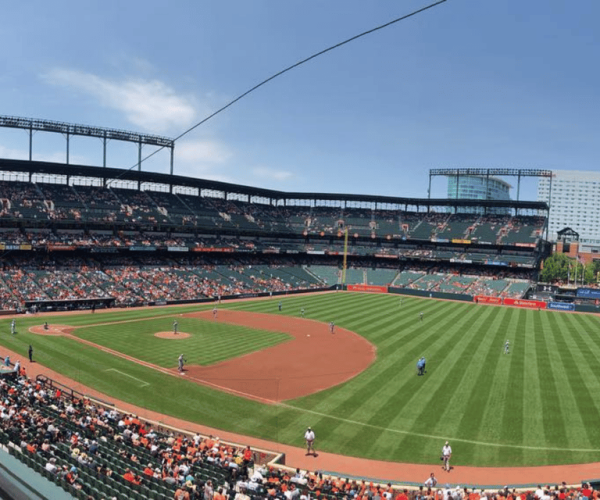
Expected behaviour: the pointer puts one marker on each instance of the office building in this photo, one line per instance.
(574, 202)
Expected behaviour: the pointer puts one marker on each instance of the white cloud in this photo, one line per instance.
(148, 104)
(13, 154)
(204, 159)
(204, 171)
(53, 157)
(272, 174)
(201, 151)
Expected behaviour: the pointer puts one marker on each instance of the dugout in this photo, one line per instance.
(69, 305)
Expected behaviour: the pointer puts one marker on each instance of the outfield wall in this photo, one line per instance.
(433, 295)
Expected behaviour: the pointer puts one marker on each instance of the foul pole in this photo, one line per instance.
(345, 256)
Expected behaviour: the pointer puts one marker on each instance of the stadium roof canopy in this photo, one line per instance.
(110, 175)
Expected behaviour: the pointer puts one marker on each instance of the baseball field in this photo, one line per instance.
(259, 371)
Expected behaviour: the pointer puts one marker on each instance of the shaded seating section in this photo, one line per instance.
(456, 226)
(381, 277)
(99, 204)
(523, 230)
(355, 276)
(205, 214)
(62, 201)
(148, 208)
(173, 207)
(489, 286)
(456, 284)
(427, 282)
(488, 228)
(516, 289)
(22, 200)
(327, 274)
(406, 278)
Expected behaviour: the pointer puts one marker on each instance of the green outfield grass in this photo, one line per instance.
(209, 342)
(538, 405)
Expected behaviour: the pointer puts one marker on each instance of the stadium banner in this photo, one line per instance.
(386, 256)
(212, 249)
(588, 293)
(496, 263)
(527, 245)
(319, 252)
(524, 303)
(104, 250)
(178, 249)
(142, 249)
(9, 246)
(271, 250)
(463, 242)
(440, 240)
(561, 306)
(52, 247)
(485, 299)
(367, 288)
(545, 287)
(25, 246)
(462, 261)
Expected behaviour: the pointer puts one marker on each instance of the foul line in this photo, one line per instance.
(144, 384)
(433, 436)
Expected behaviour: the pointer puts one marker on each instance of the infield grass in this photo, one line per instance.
(538, 405)
(209, 342)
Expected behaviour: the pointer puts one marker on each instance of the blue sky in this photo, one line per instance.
(470, 83)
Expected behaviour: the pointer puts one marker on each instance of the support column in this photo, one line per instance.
(172, 157)
(429, 189)
(30, 142)
(68, 136)
(104, 151)
(139, 163)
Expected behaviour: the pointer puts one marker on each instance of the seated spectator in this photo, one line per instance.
(51, 466)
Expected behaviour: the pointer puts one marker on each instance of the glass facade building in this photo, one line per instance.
(479, 188)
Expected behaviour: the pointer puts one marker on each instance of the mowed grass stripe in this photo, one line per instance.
(552, 418)
(513, 407)
(583, 378)
(490, 338)
(533, 428)
(498, 367)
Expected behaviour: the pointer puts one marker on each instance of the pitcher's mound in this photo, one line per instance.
(52, 329)
(171, 335)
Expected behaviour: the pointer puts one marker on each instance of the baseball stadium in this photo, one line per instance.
(246, 289)
(162, 331)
